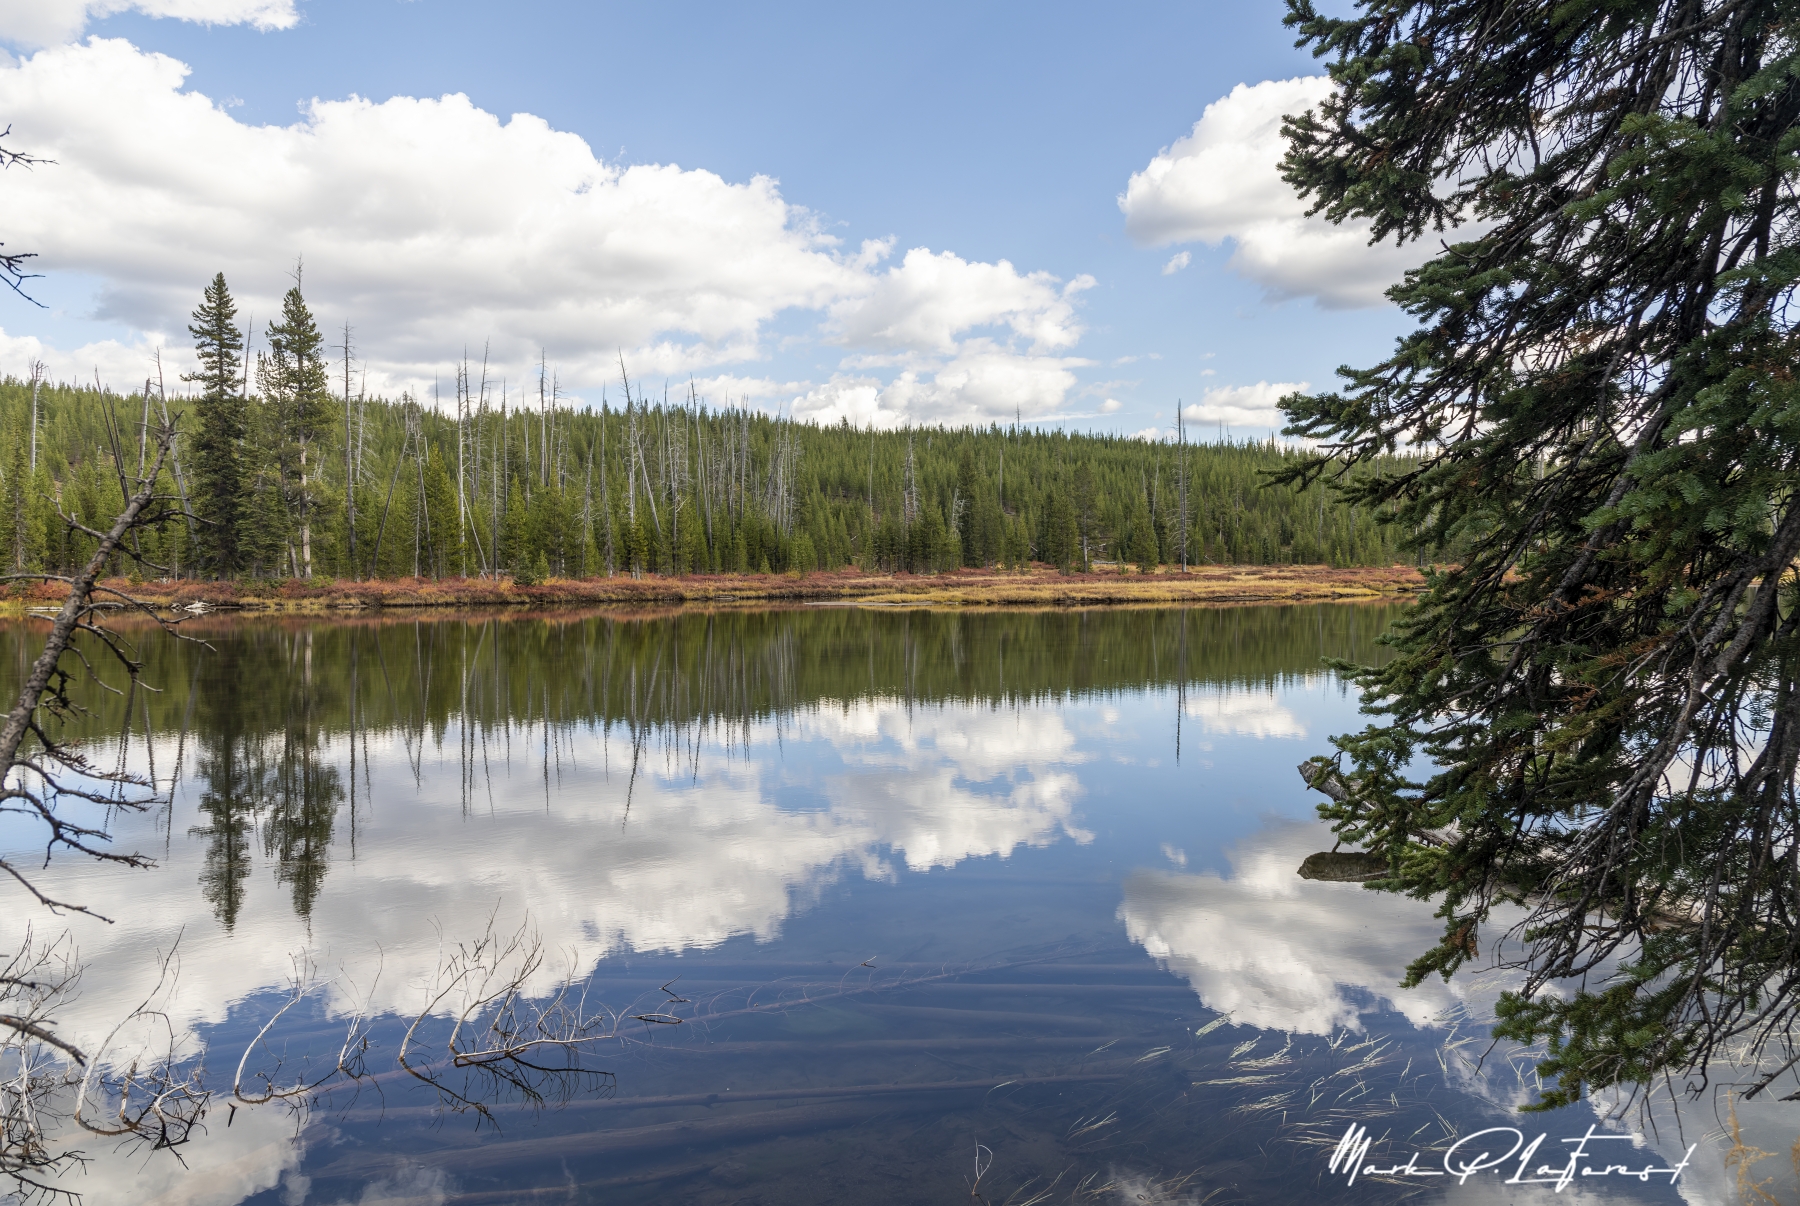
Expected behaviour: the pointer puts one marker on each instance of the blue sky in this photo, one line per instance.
(986, 133)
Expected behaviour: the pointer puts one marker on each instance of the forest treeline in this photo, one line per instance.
(288, 469)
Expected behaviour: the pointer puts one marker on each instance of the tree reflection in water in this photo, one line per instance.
(263, 762)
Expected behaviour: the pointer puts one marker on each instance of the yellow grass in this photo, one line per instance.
(1037, 587)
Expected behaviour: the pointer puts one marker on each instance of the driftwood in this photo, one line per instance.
(1342, 867)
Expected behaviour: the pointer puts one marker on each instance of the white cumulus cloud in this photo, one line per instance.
(429, 222)
(1178, 261)
(121, 365)
(1245, 405)
(433, 225)
(1223, 182)
(923, 303)
(48, 22)
(972, 343)
(984, 381)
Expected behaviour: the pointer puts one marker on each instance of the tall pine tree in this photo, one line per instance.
(295, 385)
(221, 426)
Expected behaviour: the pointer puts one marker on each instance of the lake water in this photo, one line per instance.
(856, 904)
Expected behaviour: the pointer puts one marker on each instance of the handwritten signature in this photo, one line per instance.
(1470, 1155)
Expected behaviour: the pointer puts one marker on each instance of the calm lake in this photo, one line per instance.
(846, 904)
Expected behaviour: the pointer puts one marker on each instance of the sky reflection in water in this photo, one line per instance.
(1065, 842)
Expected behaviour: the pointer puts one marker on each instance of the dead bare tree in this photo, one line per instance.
(38, 1066)
(504, 1046)
(478, 1042)
(52, 1093)
(38, 766)
(12, 263)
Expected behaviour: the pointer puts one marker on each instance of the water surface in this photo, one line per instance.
(871, 899)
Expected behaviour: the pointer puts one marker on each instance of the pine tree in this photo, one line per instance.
(968, 492)
(441, 533)
(15, 512)
(1607, 682)
(1062, 536)
(1085, 497)
(222, 423)
(295, 385)
(1143, 551)
(263, 536)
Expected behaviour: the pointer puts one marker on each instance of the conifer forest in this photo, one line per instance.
(286, 468)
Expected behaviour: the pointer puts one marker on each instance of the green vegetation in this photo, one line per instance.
(293, 480)
(1607, 686)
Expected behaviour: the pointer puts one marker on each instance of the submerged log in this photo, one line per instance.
(1341, 867)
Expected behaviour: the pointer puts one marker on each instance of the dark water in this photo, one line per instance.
(860, 901)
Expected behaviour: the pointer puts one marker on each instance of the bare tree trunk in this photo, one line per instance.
(605, 498)
(349, 458)
(38, 369)
(305, 515)
(187, 510)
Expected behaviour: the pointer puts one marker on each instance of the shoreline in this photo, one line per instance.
(1036, 587)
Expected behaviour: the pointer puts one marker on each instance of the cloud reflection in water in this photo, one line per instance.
(705, 853)
(1283, 953)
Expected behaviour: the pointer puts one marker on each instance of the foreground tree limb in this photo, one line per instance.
(12, 263)
(58, 768)
(1604, 688)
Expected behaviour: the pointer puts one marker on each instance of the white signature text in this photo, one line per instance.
(1483, 1152)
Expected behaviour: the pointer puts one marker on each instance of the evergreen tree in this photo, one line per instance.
(1086, 501)
(222, 422)
(16, 543)
(1607, 682)
(295, 385)
(694, 555)
(514, 532)
(263, 541)
(930, 541)
(1142, 551)
(987, 532)
(442, 538)
(968, 491)
(1061, 545)
(1017, 548)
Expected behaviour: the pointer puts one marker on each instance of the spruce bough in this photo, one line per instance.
(1606, 684)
